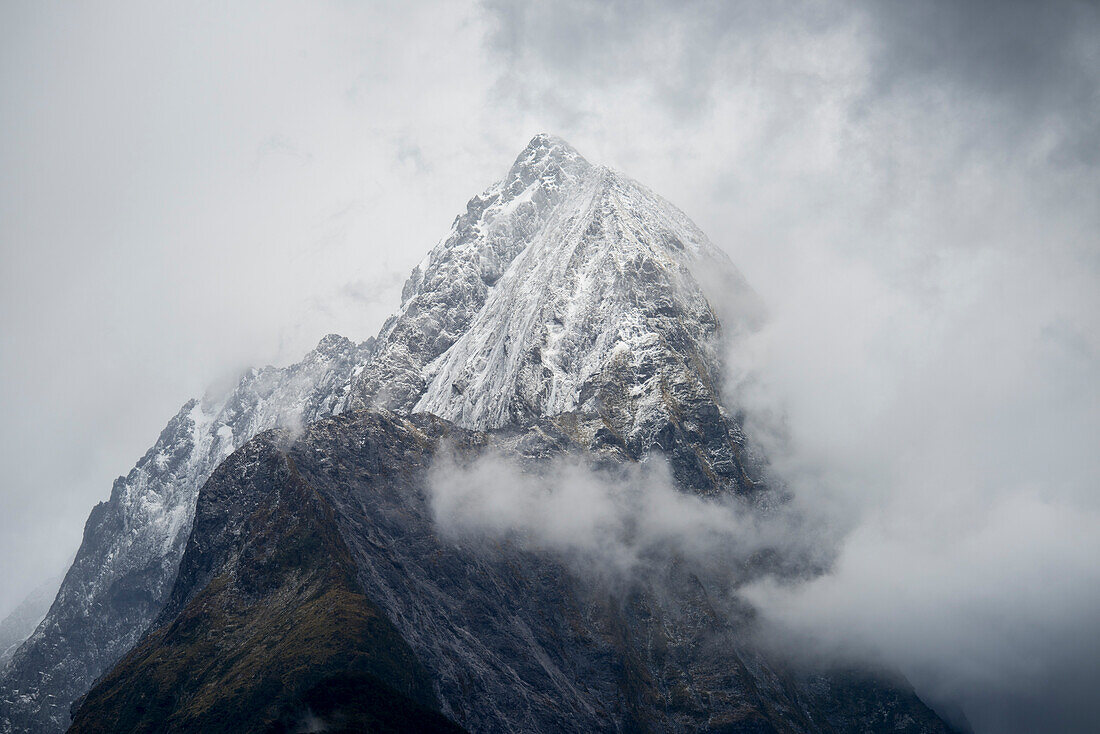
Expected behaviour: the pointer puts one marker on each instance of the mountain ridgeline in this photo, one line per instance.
(273, 563)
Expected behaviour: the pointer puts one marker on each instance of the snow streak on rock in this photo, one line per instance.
(451, 285)
(569, 288)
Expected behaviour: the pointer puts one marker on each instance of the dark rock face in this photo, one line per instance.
(510, 639)
(266, 621)
(132, 543)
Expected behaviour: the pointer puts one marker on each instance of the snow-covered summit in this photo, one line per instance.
(451, 284)
(566, 287)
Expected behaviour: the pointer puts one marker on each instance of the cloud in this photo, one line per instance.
(996, 608)
(622, 521)
(1035, 61)
(951, 416)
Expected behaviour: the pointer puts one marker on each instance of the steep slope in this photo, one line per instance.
(603, 313)
(451, 285)
(133, 542)
(569, 287)
(511, 640)
(265, 623)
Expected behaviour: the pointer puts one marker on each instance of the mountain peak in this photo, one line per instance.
(550, 144)
(548, 160)
(566, 288)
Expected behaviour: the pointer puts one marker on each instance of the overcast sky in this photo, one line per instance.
(912, 187)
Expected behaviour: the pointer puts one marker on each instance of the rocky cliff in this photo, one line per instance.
(499, 637)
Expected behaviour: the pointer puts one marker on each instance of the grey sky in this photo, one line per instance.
(912, 187)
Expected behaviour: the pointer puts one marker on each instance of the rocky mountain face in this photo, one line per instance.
(133, 542)
(450, 287)
(265, 618)
(569, 310)
(499, 638)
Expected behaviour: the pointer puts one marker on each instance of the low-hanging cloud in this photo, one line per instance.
(953, 428)
(622, 520)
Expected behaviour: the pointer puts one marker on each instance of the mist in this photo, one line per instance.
(620, 521)
(958, 430)
(911, 188)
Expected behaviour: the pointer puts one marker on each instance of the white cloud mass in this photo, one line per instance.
(617, 521)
